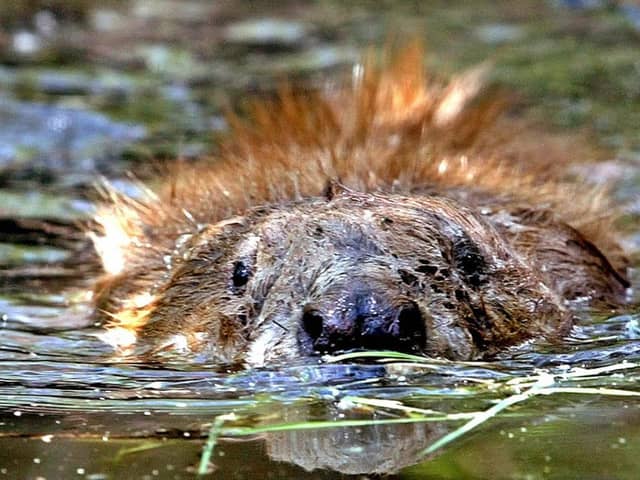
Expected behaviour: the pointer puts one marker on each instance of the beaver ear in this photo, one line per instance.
(334, 188)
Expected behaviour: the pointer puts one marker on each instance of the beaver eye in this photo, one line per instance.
(469, 260)
(241, 274)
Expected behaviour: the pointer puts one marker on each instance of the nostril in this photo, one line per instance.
(410, 322)
(313, 323)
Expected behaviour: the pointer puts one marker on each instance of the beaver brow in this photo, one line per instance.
(349, 237)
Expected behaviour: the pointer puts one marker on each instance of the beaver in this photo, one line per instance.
(401, 213)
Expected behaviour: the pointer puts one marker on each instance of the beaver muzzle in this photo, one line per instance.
(362, 320)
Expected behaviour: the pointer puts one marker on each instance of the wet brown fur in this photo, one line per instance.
(394, 138)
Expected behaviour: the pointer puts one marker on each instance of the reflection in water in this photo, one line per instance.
(361, 450)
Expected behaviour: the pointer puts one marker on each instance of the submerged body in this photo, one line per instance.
(399, 214)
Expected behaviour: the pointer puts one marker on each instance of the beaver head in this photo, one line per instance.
(418, 274)
(459, 237)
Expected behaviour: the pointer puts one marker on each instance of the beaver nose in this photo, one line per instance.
(363, 324)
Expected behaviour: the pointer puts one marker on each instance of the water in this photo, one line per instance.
(69, 410)
(152, 84)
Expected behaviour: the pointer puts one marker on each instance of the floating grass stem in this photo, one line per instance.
(214, 433)
(542, 386)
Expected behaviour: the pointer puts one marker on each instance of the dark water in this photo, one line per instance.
(90, 89)
(69, 411)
